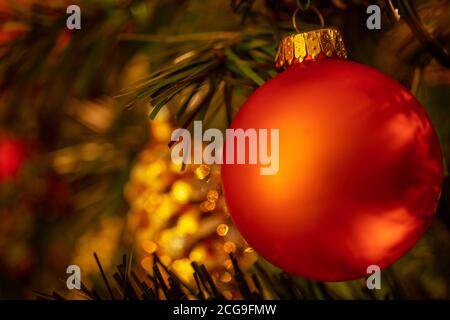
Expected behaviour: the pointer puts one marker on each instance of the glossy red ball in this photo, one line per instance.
(360, 171)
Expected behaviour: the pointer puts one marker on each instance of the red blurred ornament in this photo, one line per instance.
(12, 156)
(360, 166)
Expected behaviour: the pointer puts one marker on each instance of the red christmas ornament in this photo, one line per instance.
(12, 156)
(360, 166)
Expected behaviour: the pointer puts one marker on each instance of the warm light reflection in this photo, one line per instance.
(181, 191)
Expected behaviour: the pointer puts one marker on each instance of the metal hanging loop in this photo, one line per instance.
(303, 6)
(310, 7)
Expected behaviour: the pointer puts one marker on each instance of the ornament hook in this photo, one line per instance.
(306, 8)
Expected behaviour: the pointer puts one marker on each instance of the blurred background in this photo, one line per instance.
(83, 169)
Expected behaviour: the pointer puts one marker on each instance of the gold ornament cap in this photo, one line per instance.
(325, 42)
